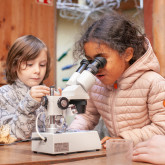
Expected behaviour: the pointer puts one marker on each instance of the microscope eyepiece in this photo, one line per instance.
(98, 62)
(83, 64)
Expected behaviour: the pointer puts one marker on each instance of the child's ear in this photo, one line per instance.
(128, 54)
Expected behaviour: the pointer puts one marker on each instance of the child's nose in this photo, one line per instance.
(37, 69)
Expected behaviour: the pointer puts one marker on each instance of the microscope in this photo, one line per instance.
(58, 138)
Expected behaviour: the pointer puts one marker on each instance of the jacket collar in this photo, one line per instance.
(20, 87)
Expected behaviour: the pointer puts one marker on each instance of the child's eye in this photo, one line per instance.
(29, 64)
(42, 65)
(89, 59)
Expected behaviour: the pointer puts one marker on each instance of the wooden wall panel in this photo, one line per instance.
(23, 17)
(148, 10)
(159, 32)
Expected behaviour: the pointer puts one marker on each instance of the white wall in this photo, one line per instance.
(67, 34)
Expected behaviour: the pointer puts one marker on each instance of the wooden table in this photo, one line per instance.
(21, 153)
(96, 161)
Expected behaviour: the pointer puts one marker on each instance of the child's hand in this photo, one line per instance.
(103, 141)
(37, 92)
(59, 93)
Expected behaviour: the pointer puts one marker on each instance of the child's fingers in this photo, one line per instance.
(42, 87)
(142, 144)
(44, 92)
(60, 90)
(104, 146)
(105, 139)
(40, 90)
(39, 93)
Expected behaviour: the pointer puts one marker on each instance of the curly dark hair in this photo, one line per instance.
(115, 31)
(25, 48)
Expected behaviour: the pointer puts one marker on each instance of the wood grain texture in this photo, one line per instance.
(159, 32)
(148, 10)
(21, 154)
(23, 17)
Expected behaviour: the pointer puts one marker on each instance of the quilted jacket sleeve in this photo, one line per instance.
(88, 120)
(156, 110)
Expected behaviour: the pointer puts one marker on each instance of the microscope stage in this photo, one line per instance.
(68, 142)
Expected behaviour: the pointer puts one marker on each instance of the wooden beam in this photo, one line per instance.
(127, 5)
(159, 32)
(148, 10)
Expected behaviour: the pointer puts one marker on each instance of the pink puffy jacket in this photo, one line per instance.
(134, 110)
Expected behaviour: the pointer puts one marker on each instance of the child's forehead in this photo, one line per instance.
(96, 45)
(96, 48)
(38, 55)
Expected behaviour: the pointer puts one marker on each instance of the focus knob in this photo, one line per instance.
(63, 103)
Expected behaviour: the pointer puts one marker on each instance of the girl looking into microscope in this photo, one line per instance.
(129, 93)
(27, 66)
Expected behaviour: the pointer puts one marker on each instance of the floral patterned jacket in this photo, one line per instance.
(19, 110)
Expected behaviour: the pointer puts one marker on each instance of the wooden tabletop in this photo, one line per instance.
(96, 161)
(21, 154)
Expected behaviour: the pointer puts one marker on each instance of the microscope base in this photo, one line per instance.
(68, 142)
